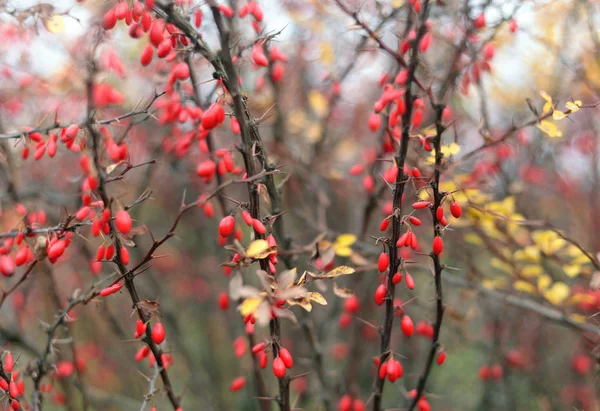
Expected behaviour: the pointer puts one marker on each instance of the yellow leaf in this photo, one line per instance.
(550, 129)
(345, 239)
(259, 249)
(557, 293)
(546, 96)
(327, 54)
(316, 297)
(341, 270)
(530, 271)
(544, 282)
(396, 4)
(250, 305)
(342, 251)
(571, 270)
(558, 115)
(524, 287)
(304, 303)
(579, 318)
(318, 103)
(573, 107)
(473, 238)
(55, 24)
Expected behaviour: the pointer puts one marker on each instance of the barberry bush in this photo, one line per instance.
(319, 205)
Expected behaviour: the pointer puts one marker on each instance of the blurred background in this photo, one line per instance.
(521, 330)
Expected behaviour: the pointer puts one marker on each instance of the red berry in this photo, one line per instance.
(352, 304)
(420, 205)
(410, 282)
(479, 22)
(441, 358)
(226, 226)
(384, 224)
(158, 333)
(380, 294)
(223, 301)
(374, 122)
(123, 221)
(8, 362)
(286, 357)
(125, 255)
(438, 245)
(259, 227)
(140, 328)
(455, 209)
(384, 262)
(7, 266)
(147, 53)
(278, 367)
(237, 384)
(397, 278)
(110, 20)
(407, 326)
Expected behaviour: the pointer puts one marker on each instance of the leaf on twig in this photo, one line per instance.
(259, 249)
(336, 272)
(342, 292)
(316, 297)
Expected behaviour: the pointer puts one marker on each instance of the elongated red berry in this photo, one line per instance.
(397, 278)
(441, 358)
(479, 22)
(384, 262)
(374, 122)
(237, 384)
(8, 362)
(407, 326)
(223, 301)
(125, 255)
(455, 209)
(420, 205)
(7, 266)
(227, 226)
(438, 245)
(258, 347)
(123, 221)
(403, 239)
(352, 304)
(286, 357)
(414, 220)
(410, 282)
(380, 294)
(278, 367)
(146, 57)
(57, 249)
(158, 333)
(384, 224)
(259, 227)
(110, 19)
(140, 328)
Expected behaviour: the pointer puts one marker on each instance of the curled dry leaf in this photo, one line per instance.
(342, 292)
(316, 297)
(336, 272)
(149, 305)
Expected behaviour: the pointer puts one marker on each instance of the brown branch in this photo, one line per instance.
(129, 278)
(437, 232)
(398, 191)
(57, 125)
